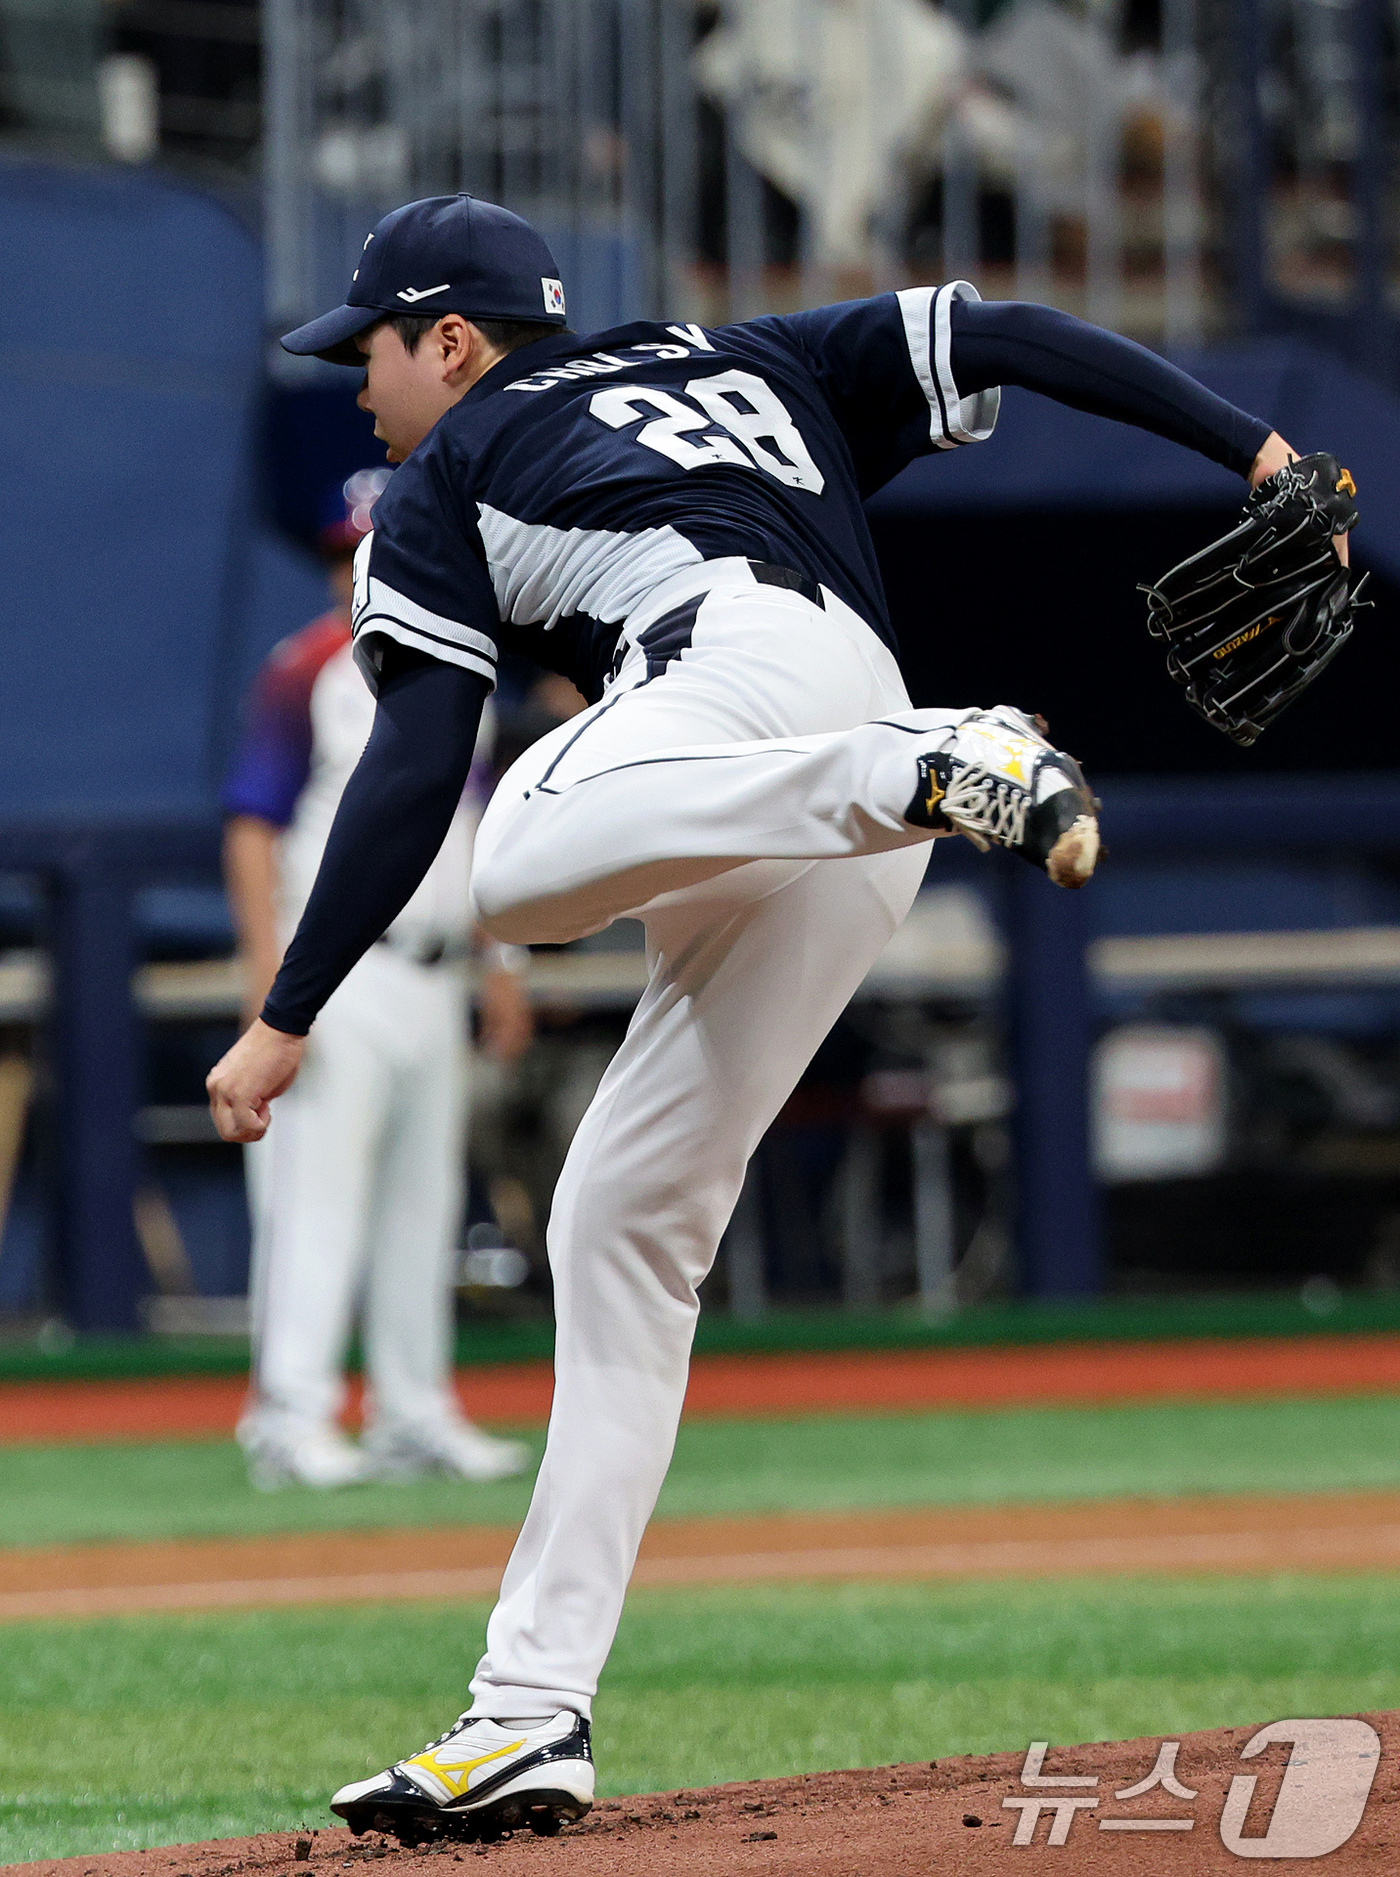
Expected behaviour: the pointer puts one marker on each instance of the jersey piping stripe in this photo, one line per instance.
(421, 632)
(654, 762)
(916, 310)
(600, 710)
(928, 332)
(646, 762)
(450, 652)
(381, 601)
(678, 624)
(972, 419)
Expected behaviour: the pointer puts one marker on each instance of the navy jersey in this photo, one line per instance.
(579, 473)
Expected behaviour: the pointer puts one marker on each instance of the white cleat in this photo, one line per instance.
(999, 781)
(320, 1457)
(458, 1449)
(479, 1781)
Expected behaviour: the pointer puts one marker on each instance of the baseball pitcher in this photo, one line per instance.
(672, 517)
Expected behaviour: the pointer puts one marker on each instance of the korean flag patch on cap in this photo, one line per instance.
(553, 295)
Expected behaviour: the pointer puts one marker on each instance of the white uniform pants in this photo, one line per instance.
(356, 1192)
(745, 803)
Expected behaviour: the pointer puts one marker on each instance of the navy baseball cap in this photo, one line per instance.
(445, 254)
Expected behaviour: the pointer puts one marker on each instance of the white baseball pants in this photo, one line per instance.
(356, 1193)
(743, 803)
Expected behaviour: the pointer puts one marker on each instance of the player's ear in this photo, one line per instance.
(457, 341)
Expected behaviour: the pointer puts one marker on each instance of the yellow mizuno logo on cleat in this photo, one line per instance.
(936, 792)
(456, 1778)
(1017, 753)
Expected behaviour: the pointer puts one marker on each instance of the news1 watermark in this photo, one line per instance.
(1319, 1805)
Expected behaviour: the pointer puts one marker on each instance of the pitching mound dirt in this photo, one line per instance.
(903, 1821)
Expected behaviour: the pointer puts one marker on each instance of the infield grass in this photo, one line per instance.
(186, 1489)
(142, 1731)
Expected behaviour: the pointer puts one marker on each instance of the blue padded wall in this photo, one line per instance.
(130, 341)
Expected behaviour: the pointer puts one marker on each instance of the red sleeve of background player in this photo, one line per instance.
(273, 759)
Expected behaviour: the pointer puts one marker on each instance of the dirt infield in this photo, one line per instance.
(1321, 1532)
(188, 1407)
(904, 1821)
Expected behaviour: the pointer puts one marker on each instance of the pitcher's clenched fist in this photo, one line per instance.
(243, 1084)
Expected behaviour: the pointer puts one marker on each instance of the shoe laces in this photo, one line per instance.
(986, 807)
(446, 1734)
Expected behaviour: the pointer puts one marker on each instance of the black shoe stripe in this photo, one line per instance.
(405, 1792)
(574, 1746)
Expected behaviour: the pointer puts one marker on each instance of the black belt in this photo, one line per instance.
(768, 574)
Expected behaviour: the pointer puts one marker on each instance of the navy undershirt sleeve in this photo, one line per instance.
(1012, 342)
(393, 818)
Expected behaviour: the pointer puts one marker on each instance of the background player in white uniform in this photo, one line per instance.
(356, 1190)
(671, 517)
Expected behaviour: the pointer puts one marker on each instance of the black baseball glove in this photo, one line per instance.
(1254, 617)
